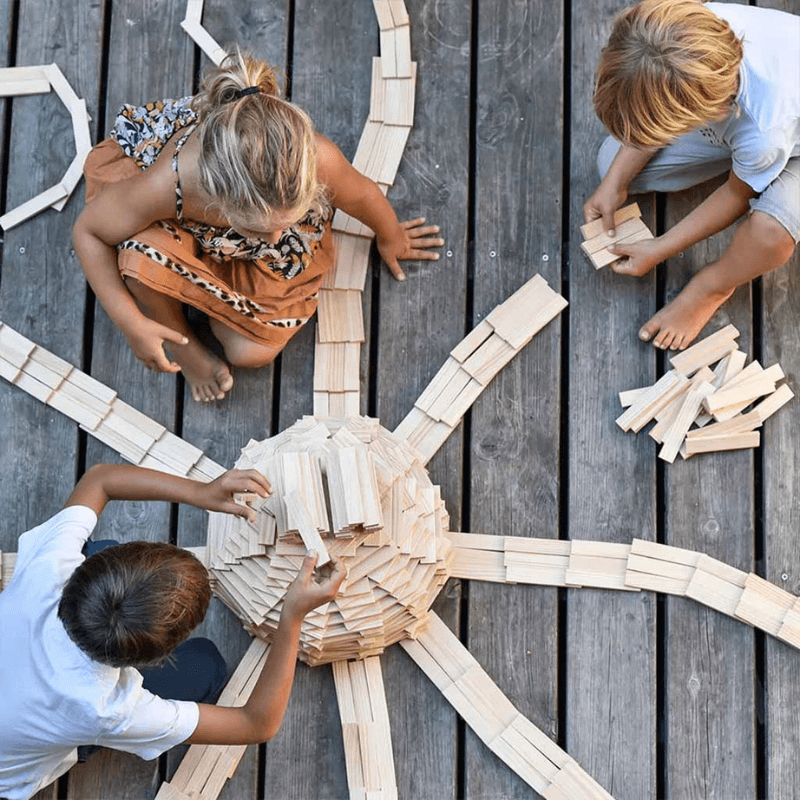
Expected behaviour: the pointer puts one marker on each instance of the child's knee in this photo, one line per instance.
(250, 355)
(772, 236)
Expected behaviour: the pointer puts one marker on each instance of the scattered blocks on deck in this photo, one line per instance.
(628, 228)
(700, 410)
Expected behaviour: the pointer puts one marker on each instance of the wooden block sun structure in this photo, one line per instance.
(16, 81)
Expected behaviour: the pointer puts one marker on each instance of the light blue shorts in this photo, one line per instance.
(692, 159)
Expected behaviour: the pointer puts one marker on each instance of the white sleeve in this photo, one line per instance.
(153, 726)
(759, 159)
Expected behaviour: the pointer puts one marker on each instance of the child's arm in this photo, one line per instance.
(121, 210)
(261, 716)
(104, 482)
(613, 189)
(721, 208)
(361, 198)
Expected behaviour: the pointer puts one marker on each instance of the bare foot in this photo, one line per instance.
(677, 324)
(207, 375)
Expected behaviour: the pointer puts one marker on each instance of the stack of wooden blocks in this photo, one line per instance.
(343, 487)
(365, 729)
(205, 768)
(475, 361)
(16, 81)
(340, 324)
(491, 715)
(714, 401)
(98, 410)
(628, 567)
(628, 229)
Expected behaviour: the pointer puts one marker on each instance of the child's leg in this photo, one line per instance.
(763, 242)
(690, 160)
(197, 672)
(241, 351)
(208, 376)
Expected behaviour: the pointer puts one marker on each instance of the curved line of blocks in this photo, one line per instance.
(18, 81)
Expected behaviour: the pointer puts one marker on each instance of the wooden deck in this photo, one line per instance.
(655, 697)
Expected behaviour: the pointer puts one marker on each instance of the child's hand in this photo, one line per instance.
(146, 338)
(603, 203)
(640, 257)
(407, 246)
(305, 594)
(218, 495)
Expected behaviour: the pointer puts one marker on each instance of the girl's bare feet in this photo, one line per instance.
(207, 375)
(676, 325)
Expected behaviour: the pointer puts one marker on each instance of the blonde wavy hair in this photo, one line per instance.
(668, 67)
(257, 150)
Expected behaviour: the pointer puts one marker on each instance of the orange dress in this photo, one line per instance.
(264, 291)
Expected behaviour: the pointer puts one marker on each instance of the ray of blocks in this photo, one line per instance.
(475, 361)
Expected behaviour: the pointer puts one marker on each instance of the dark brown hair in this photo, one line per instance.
(132, 604)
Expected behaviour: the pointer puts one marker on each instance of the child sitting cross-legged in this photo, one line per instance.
(689, 91)
(223, 201)
(95, 649)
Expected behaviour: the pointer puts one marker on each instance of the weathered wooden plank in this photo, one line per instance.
(135, 75)
(709, 658)
(611, 663)
(222, 429)
(780, 311)
(420, 321)
(331, 74)
(515, 431)
(42, 291)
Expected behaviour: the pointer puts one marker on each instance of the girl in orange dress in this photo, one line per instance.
(223, 201)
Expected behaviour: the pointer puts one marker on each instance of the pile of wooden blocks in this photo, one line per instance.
(340, 324)
(343, 487)
(15, 81)
(205, 768)
(714, 401)
(628, 228)
(365, 729)
(518, 742)
(98, 410)
(628, 567)
(475, 361)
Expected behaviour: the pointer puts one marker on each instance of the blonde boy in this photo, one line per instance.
(689, 91)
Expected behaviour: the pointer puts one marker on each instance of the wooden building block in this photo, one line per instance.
(203, 39)
(399, 96)
(743, 394)
(662, 392)
(297, 510)
(602, 258)
(767, 407)
(482, 565)
(33, 206)
(763, 604)
(14, 347)
(471, 342)
(351, 264)
(339, 316)
(595, 227)
(705, 352)
(729, 441)
(399, 12)
(690, 407)
(790, 627)
(743, 423)
(625, 228)
(489, 359)
(384, 14)
(714, 591)
(630, 396)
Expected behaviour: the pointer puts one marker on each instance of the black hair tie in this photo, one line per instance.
(240, 93)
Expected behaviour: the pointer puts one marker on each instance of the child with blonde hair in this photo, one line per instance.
(223, 201)
(689, 91)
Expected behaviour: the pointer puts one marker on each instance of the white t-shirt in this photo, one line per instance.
(766, 132)
(54, 697)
